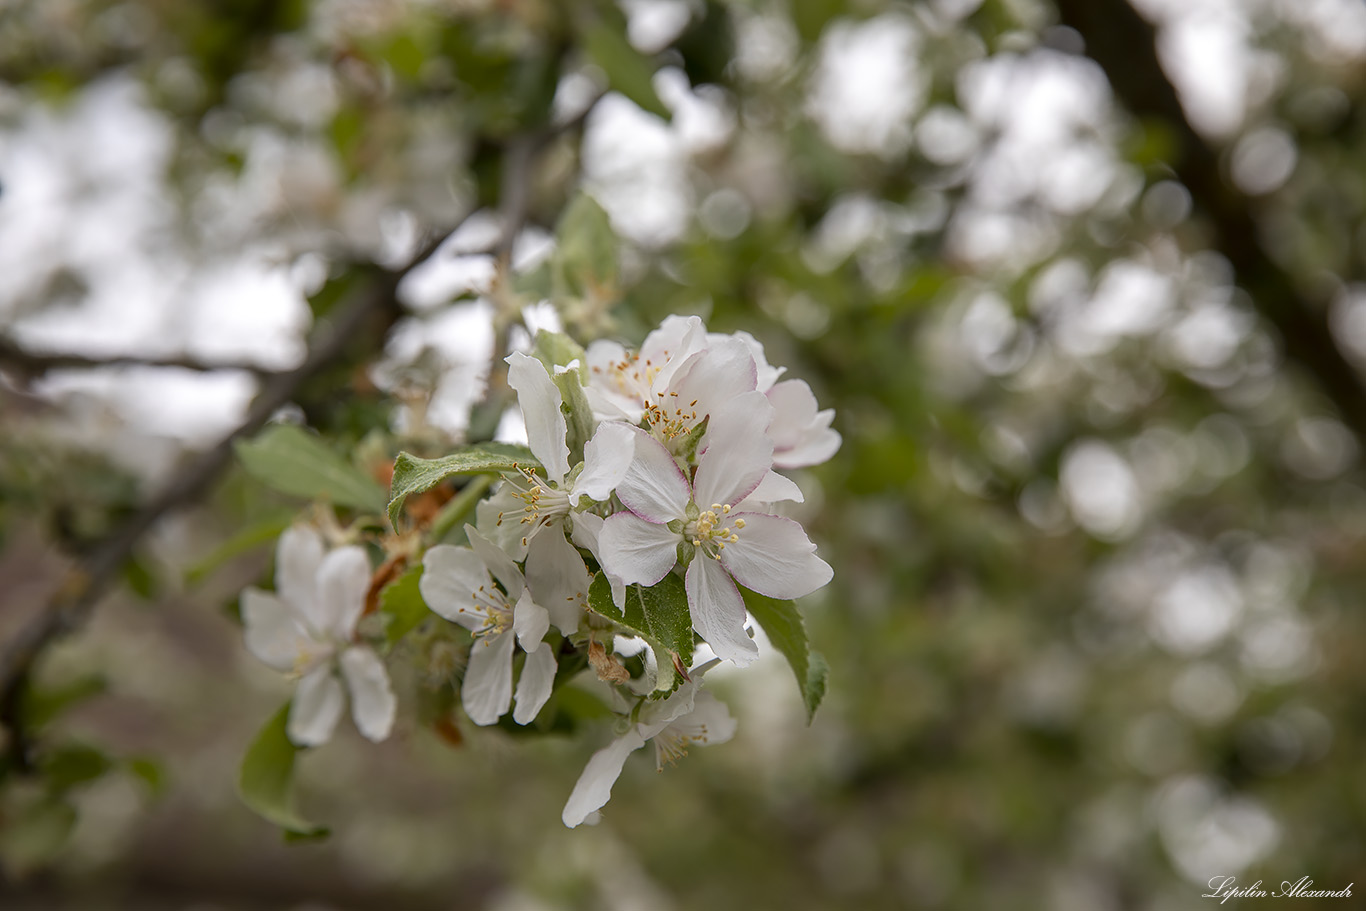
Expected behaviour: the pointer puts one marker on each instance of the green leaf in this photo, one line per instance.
(402, 606)
(265, 531)
(658, 614)
(42, 706)
(149, 772)
(555, 349)
(628, 70)
(293, 461)
(413, 475)
(783, 624)
(266, 780)
(578, 414)
(585, 254)
(72, 765)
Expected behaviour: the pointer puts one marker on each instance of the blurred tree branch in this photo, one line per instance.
(1124, 44)
(29, 364)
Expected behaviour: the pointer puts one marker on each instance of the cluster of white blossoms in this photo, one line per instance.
(655, 474)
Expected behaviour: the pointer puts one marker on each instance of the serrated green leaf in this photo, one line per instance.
(783, 624)
(402, 606)
(265, 531)
(628, 70)
(266, 780)
(413, 475)
(72, 765)
(658, 614)
(293, 461)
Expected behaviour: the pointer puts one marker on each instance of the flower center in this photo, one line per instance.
(671, 744)
(491, 606)
(632, 377)
(669, 419)
(710, 533)
(543, 505)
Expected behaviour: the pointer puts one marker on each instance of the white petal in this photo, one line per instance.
(767, 375)
(594, 787)
(373, 704)
(636, 551)
(606, 459)
(774, 488)
(498, 562)
(498, 518)
(486, 691)
(718, 612)
(774, 557)
(450, 577)
(587, 527)
(738, 455)
(557, 578)
(540, 401)
(343, 580)
(533, 687)
(316, 708)
(669, 347)
(297, 558)
(530, 622)
(726, 369)
(271, 630)
(816, 447)
(709, 721)
(654, 487)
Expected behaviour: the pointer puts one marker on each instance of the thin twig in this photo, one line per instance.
(86, 583)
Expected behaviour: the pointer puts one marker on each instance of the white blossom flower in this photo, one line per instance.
(456, 583)
(689, 716)
(526, 505)
(308, 629)
(765, 553)
(621, 385)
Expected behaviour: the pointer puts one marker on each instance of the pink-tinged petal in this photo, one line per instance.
(297, 558)
(723, 371)
(316, 708)
(667, 348)
(606, 459)
(557, 578)
(766, 375)
(450, 577)
(774, 488)
(774, 557)
(343, 580)
(794, 409)
(718, 612)
(738, 455)
(654, 487)
(540, 401)
(271, 630)
(534, 686)
(498, 562)
(587, 527)
(817, 447)
(594, 787)
(373, 704)
(486, 691)
(636, 551)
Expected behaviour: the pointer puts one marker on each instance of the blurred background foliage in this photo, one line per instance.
(1081, 280)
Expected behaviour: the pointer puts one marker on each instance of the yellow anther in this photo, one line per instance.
(739, 523)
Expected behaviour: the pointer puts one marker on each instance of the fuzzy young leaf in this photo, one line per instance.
(294, 461)
(578, 414)
(783, 624)
(266, 780)
(413, 475)
(402, 606)
(586, 255)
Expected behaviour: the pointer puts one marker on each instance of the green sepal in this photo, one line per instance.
(578, 416)
(413, 475)
(401, 605)
(555, 349)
